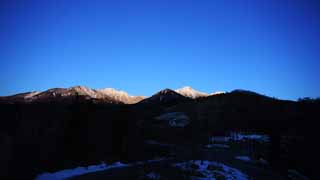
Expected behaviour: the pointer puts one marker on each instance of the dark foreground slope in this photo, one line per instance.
(292, 126)
(53, 135)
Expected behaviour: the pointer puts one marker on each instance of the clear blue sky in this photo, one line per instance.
(268, 46)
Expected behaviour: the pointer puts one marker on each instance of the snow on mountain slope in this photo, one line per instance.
(82, 90)
(106, 95)
(31, 94)
(120, 95)
(65, 92)
(191, 93)
(56, 94)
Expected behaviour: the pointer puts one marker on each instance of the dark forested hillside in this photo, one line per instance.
(48, 136)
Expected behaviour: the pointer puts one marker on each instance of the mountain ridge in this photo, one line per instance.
(103, 95)
(191, 93)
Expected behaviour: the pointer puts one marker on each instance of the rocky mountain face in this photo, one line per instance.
(106, 95)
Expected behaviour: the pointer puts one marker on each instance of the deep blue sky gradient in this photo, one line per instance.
(267, 46)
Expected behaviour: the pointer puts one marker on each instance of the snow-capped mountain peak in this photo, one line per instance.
(113, 92)
(63, 94)
(190, 92)
(106, 95)
(120, 95)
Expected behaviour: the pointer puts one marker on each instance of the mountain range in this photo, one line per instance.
(107, 95)
(62, 128)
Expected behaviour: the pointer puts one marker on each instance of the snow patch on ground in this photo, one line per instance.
(153, 142)
(257, 137)
(243, 158)
(217, 146)
(295, 175)
(67, 173)
(153, 175)
(212, 170)
(63, 174)
(240, 137)
(250, 160)
(174, 119)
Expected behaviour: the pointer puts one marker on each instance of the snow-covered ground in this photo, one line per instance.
(210, 170)
(67, 173)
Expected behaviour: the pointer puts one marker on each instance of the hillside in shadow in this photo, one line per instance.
(48, 136)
